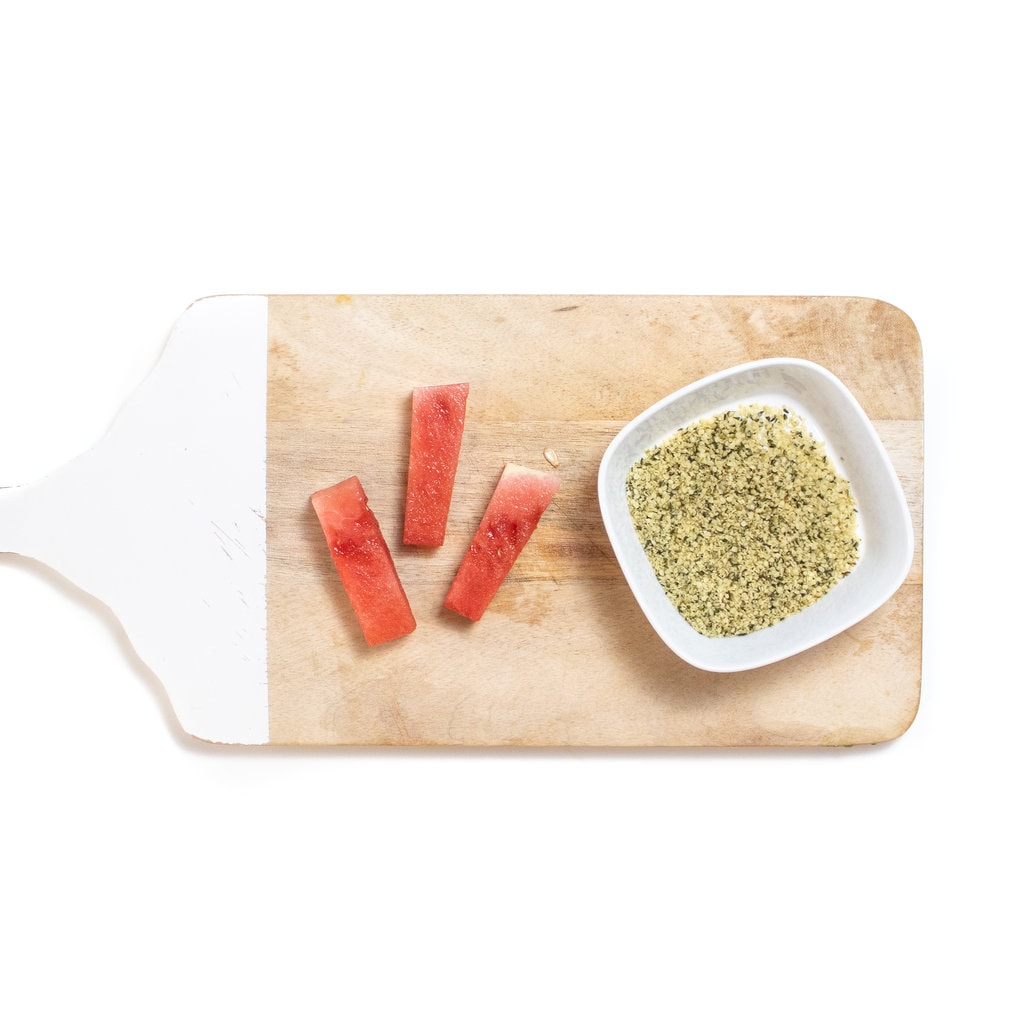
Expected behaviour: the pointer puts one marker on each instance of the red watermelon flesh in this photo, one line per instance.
(438, 417)
(364, 562)
(519, 500)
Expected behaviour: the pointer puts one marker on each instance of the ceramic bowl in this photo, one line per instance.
(835, 419)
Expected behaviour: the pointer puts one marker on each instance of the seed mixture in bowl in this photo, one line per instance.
(744, 518)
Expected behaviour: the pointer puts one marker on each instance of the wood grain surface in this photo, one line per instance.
(563, 656)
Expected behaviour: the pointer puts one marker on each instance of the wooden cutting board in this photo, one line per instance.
(563, 656)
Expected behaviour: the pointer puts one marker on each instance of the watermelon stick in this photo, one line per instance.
(364, 562)
(519, 500)
(438, 416)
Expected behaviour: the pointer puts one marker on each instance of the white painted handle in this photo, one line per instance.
(10, 518)
(163, 521)
(21, 525)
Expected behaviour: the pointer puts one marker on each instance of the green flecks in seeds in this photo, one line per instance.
(744, 518)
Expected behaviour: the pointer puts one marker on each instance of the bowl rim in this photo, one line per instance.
(904, 531)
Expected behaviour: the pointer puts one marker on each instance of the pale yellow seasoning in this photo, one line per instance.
(745, 519)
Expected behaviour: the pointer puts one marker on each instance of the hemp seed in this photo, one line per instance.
(744, 518)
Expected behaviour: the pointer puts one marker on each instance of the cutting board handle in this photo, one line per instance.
(59, 520)
(11, 518)
(164, 519)
(24, 523)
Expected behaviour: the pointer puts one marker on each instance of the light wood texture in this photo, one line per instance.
(563, 656)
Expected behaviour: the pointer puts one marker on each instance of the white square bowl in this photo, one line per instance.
(836, 420)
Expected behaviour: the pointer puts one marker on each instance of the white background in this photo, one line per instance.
(151, 157)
